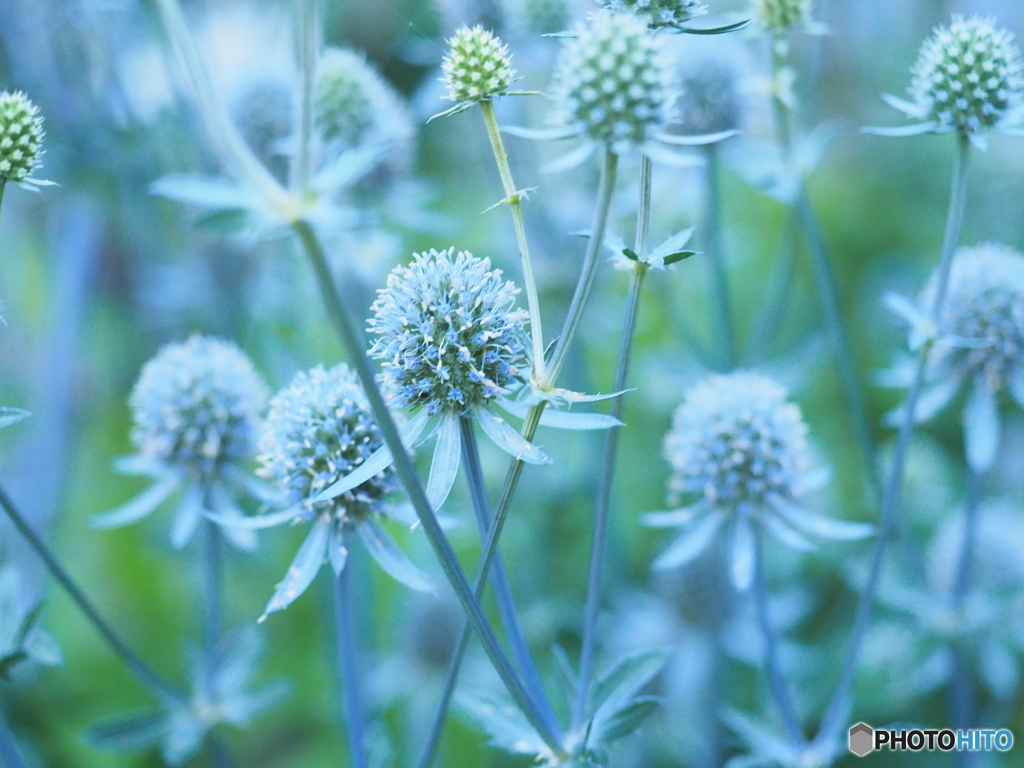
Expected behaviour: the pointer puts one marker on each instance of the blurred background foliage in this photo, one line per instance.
(97, 274)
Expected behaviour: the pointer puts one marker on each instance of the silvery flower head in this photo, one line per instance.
(781, 16)
(197, 409)
(979, 341)
(320, 429)
(21, 138)
(739, 454)
(477, 67)
(658, 13)
(709, 98)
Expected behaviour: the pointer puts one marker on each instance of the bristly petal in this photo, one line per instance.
(819, 525)
(695, 141)
(665, 156)
(191, 511)
(978, 140)
(906, 107)
(445, 466)
(903, 130)
(981, 426)
(303, 569)
(337, 550)
(391, 558)
(223, 504)
(543, 134)
(258, 522)
(691, 543)
(922, 329)
(742, 553)
(139, 507)
(510, 441)
(672, 518)
(217, 194)
(137, 464)
(570, 160)
(932, 400)
(787, 535)
(560, 419)
(9, 416)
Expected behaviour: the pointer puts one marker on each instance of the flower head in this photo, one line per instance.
(709, 99)
(658, 13)
(21, 136)
(197, 406)
(968, 76)
(477, 67)
(610, 82)
(781, 16)
(318, 429)
(449, 335)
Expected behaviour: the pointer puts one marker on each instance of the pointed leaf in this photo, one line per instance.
(128, 732)
(542, 134)
(665, 156)
(391, 558)
(981, 426)
(337, 550)
(695, 141)
(736, 25)
(557, 419)
(906, 107)
(978, 140)
(258, 522)
(672, 244)
(140, 506)
(571, 160)
(672, 258)
(671, 518)
(224, 506)
(204, 192)
(445, 466)
(630, 254)
(903, 130)
(9, 416)
(625, 677)
(819, 525)
(506, 438)
(787, 535)
(43, 648)
(691, 543)
(742, 554)
(136, 464)
(303, 568)
(191, 510)
(624, 721)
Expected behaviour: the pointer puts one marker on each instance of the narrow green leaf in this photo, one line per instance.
(672, 258)
(630, 254)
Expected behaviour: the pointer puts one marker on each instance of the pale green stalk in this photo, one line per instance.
(10, 754)
(712, 227)
(348, 660)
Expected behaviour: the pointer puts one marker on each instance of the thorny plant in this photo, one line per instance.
(456, 351)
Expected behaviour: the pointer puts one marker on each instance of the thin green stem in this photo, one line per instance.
(354, 344)
(348, 659)
(143, 671)
(716, 260)
(832, 722)
(589, 270)
(10, 754)
(3, 186)
(772, 312)
(515, 204)
(599, 542)
(962, 704)
(211, 576)
(308, 44)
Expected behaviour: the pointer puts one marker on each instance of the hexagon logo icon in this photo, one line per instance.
(862, 739)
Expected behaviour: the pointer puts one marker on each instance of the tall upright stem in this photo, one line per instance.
(211, 570)
(354, 344)
(831, 724)
(712, 227)
(10, 754)
(962, 705)
(514, 198)
(348, 660)
(599, 542)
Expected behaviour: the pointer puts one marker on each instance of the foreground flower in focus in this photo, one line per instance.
(197, 408)
(738, 449)
(21, 139)
(477, 67)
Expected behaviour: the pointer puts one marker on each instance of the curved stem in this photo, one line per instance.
(348, 658)
(599, 541)
(143, 671)
(351, 338)
(10, 754)
(832, 722)
(515, 203)
(499, 579)
(716, 260)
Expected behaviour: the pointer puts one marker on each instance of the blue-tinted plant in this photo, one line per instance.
(21, 141)
(22, 640)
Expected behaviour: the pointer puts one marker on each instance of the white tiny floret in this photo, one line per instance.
(610, 81)
(478, 66)
(658, 13)
(21, 136)
(781, 16)
(969, 75)
(198, 405)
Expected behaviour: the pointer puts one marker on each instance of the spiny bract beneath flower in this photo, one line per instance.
(610, 82)
(478, 66)
(197, 405)
(450, 335)
(318, 429)
(781, 16)
(736, 441)
(982, 321)
(21, 136)
(969, 75)
(657, 13)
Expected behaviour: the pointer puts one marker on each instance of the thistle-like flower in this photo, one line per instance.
(320, 429)
(477, 67)
(197, 408)
(969, 77)
(979, 341)
(708, 99)
(658, 13)
(738, 450)
(781, 16)
(21, 139)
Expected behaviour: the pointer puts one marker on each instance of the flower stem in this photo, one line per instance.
(499, 580)
(143, 671)
(589, 270)
(211, 569)
(716, 260)
(832, 722)
(3, 186)
(776, 678)
(599, 542)
(515, 203)
(10, 754)
(348, 658)
(308, 43)
(962, 695)
(772, 312)
(354, 344)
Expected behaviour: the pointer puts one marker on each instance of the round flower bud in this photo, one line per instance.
(982, 319)
(968, 76)
(450, 337)
(781, 16)
(657, 13)
(709, 99)
(197, 405)
(736, 442)
(21, 136)
(318, 429)
(610, 82)
(478, 66)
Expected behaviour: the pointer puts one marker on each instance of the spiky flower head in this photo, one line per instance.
(781, 16)
(318, 429)
(198, 405)
(21, 136)
(657, 13)
(610, 81)
(969, 75)
(982, 320)
(736, 442)
(450, 337)
(709, 99)
(477, 67)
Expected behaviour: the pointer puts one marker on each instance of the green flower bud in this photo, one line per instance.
(21, 136)
(478, 66)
